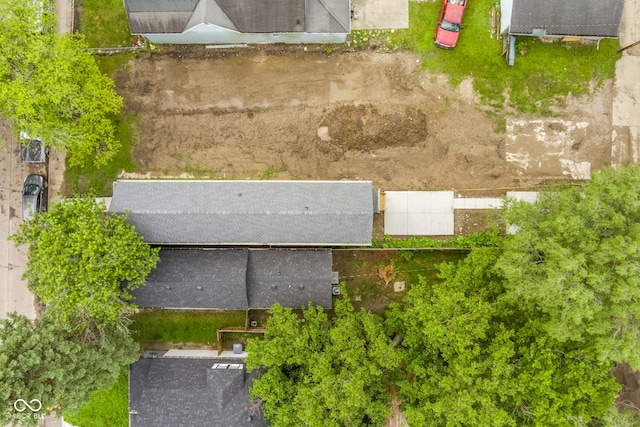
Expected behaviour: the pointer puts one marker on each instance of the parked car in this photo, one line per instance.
(449, 23)
(32, 150)
(33, 197)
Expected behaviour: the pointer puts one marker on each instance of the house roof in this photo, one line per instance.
(190, 392)
(290, 278)
(197, 279)
(246, 16)
(235, 279)
(281, 213)
(596, 18)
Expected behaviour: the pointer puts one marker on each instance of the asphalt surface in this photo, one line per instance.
(14, 294)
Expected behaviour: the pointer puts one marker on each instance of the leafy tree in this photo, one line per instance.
(576, 262)
(473, 358)
(51, 87)
(44, 361)
(318, 371)
(83, 261)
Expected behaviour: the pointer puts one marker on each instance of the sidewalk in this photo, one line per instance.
(625, 139)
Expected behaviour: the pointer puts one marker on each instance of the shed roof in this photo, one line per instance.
(281, 213)
(246, 16)
(596, 18)
(234, 279)
(190, 392)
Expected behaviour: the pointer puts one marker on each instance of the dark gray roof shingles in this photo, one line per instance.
(235, 279)
(596, 18)
(196, 279)
(287, 213)
(187, 392)
(291, 278)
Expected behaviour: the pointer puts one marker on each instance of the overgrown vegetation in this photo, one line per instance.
(488, 238)
(520, 333)
(97, 181)
(105, 408)
(544, 73)
(104, 24)
(360, 269)
(183, 326)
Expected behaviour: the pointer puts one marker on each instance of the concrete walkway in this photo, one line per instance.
(625, 139)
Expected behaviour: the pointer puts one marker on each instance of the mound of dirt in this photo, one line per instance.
(366, 128)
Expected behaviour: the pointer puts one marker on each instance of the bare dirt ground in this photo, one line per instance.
(290, 113)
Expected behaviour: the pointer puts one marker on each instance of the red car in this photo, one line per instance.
(449, 23)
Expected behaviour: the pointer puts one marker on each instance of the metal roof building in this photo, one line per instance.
(237, 279)
(278, 213)
(240, 21)
(550, 18)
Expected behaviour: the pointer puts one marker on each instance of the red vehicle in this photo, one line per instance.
(449, 23)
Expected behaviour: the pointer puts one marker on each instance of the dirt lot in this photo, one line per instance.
(296, 114)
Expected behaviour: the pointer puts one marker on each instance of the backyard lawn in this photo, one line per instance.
(178, 326)
(360, 271)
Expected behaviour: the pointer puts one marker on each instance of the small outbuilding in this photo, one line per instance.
(239, 21)
(568, 20)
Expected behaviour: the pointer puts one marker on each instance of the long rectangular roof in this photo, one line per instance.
(596, 18)
(281, 213)
(245, 16)
(238, 279)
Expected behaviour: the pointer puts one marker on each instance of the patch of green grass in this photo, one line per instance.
(269, 173)
(422, 263)
(486, 238)
(543, 73)
(106, 408)
(104, 23)
(111, 63)
(97, 181)
(183, 326)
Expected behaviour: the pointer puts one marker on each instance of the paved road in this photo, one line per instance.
(14, 295)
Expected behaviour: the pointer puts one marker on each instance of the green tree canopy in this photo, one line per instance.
(576, 262)
(83, 261)
(51, 87)
(473, 358)
(320, 371)
(42, 360)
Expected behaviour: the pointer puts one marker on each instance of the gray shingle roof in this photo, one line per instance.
(247, 16)
(288, 277)
(188, 392)
(234, 279)
(197, 279)
(597, 18)
(281, 213)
